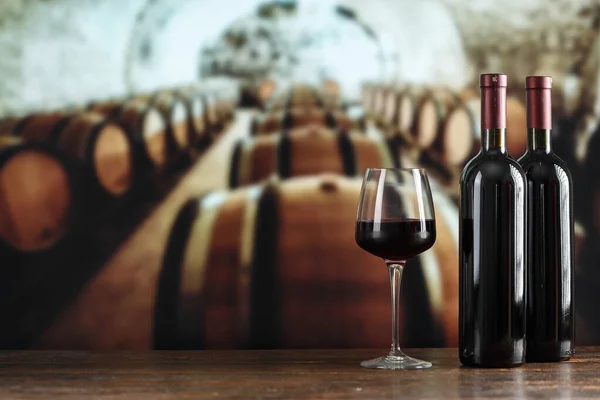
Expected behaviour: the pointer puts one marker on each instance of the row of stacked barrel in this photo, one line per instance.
(305, 132)
(438, 127)
(272, 262)
(61, 169)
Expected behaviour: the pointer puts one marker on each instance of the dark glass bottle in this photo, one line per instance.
(492, 243)
(550, 312)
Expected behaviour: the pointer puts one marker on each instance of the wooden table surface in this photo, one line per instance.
(331, 374)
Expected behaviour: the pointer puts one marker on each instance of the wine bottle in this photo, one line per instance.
(492, 243)
(550, 313)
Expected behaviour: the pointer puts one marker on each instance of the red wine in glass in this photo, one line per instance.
(395, 239)
(395, 221)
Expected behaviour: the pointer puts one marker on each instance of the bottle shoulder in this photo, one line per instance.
(545, 166)
(493, 167)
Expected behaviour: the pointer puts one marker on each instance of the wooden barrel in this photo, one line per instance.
(39, 127)
(225, 106)
(390, 111)
(265, 90)
(276, 266)
(37, 195)
(408, 102)
(109, 109)
(309, 98)
(285, 104)
(102, 151)
(257, 94)
(460, 135)
(304, 152)
(303, 92)
(460, 138)
(294, 118)
(174, 112)
(199, 134)
(7, 124)
(298, 96)
(215, 124)
(225, 109)
(145, 124)
(300, 117)
(379, 102)
(341, 120)
(432, 110)
(516, 127)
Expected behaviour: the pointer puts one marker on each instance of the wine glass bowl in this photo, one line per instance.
(395, 221)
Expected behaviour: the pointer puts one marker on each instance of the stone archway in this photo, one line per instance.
(167, 36)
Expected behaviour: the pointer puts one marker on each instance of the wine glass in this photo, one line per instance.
(395, 221)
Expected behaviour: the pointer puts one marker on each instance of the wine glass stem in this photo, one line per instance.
(395, 270)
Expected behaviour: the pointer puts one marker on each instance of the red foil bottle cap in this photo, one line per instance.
(493, 80)
(493, 101)
(539, 102)
(538, 82)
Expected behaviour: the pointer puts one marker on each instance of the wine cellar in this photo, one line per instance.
(186, 174)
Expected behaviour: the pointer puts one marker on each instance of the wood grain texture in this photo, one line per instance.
(325, 374)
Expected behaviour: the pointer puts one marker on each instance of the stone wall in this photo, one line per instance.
(55, 53)
(529, 37)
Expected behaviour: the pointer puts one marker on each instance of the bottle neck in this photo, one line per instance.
(493, 119)
(539, 140)
(493, 140)
(539, 119)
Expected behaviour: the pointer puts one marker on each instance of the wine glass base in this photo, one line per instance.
(395, 362)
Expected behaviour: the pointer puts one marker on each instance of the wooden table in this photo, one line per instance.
(331, 374)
